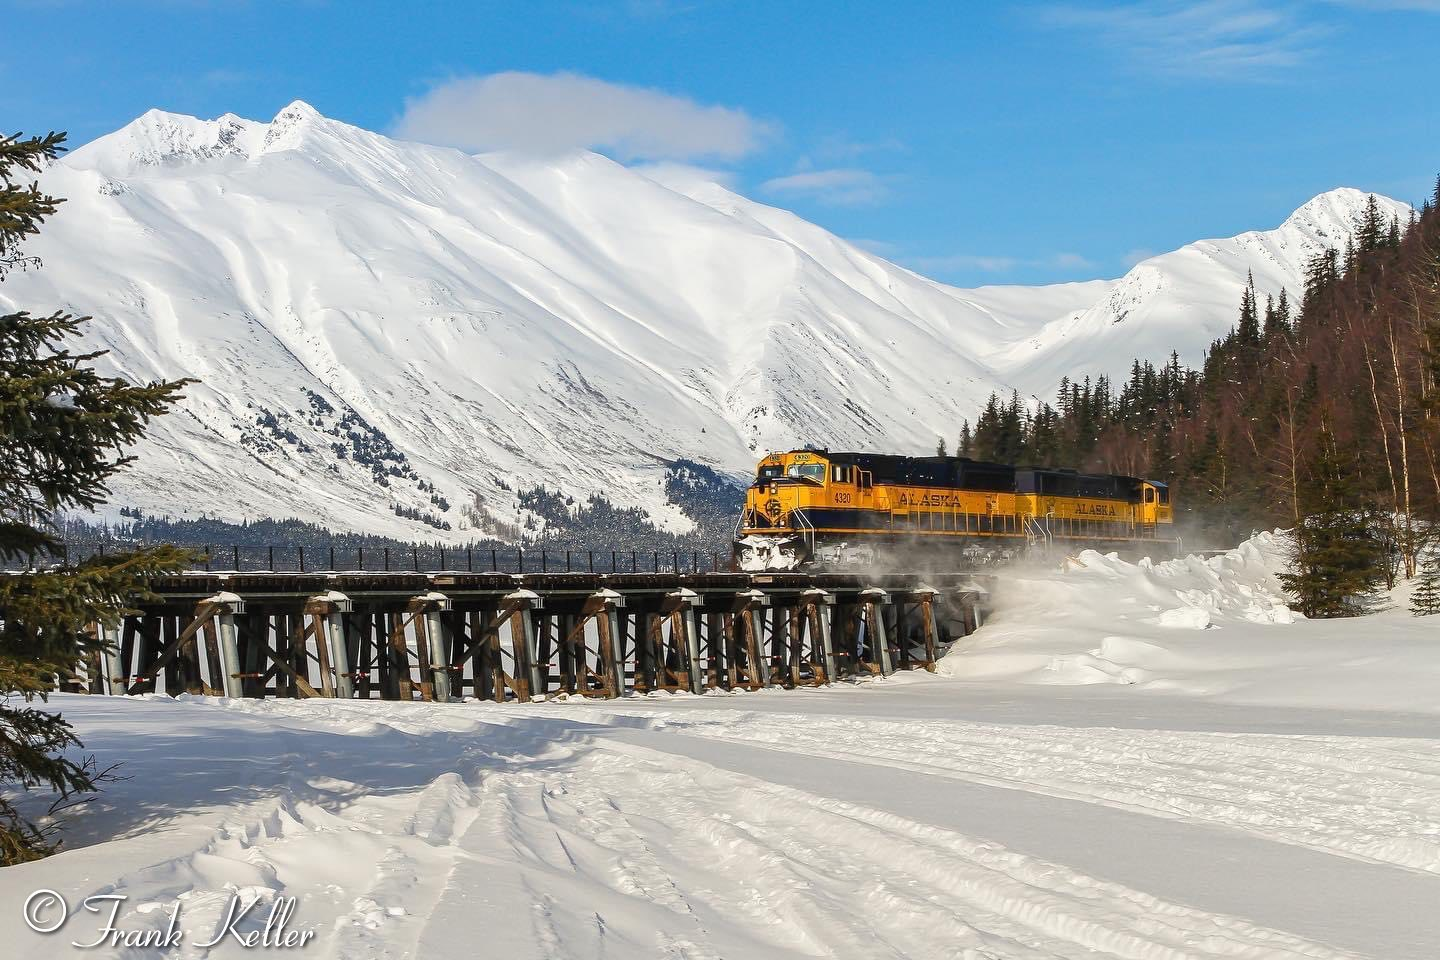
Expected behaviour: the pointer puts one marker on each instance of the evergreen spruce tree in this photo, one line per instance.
(1370, 227)
(1336, 559)
(1277, 319)
(1210, 469)
(1162, 456)
(1040, 438)
(1425, 598)
(62, 427)
(1011, 446)
(1247, 331)
(1149, 393)
(986, 441)
(1322, 273)
(940, 448)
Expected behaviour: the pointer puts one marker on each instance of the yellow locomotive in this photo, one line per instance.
(817, 507)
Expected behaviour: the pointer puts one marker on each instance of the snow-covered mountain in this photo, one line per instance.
(378, 324)
(1185, 299)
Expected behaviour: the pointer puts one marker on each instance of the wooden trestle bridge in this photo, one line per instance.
(495, 636)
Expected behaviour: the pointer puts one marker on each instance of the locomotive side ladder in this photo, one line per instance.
(1037, 533)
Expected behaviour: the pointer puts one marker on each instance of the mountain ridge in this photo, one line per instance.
(381, 325)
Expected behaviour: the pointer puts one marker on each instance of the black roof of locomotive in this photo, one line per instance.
(852, 456)
(898, 468)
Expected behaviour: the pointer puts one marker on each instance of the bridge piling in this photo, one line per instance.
(444, 637)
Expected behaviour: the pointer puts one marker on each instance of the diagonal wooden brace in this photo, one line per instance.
(744, 642)
(603, 607)
(330, 611)
(204, 611)
(815, 613)
(521, 603)
(873, 600)
(923, 598)
(680, 606)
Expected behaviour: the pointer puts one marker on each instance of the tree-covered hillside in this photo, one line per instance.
(1353, 356)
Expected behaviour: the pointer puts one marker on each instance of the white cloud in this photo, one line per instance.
(836, 148)
(685, 176)
(1419, 6)
(999, 264)
(553, 112)
(1070, 261)
(881, 248)
(966, 261)
(841, 186)
(1218, 39)
(225, 77)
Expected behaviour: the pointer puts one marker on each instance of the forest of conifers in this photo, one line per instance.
(1313, 392)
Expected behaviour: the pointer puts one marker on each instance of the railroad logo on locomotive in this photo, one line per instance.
(929, 500)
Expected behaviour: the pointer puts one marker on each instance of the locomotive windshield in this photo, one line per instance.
(814, 472)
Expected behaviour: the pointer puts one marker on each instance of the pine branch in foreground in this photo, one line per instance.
(63, 430)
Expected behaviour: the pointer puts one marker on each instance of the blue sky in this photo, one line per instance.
(977, 143)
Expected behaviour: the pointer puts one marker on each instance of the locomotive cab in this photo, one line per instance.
(1155, 503)
(784, 483)
(798, 466)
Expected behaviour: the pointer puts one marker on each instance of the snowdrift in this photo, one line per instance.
(1216, 627)
(994, 812)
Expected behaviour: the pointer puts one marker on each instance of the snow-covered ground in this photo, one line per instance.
(1214, 629)
(1144, 761)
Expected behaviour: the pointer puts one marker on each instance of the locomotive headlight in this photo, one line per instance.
(774, 489)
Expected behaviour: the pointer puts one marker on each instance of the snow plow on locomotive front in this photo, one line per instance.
(822, 510)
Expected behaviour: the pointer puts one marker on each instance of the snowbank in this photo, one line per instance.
(689, 827)
(906, 817)
(1216, 627)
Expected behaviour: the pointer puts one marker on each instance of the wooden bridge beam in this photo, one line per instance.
(432, 644)
(922, 604)
(744, 643)
(227, 646)
(527, 681)
(330, 613)
(873, 601)
(814, 620)
(684, 639)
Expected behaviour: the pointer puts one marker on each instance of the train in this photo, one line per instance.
(814, 508)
